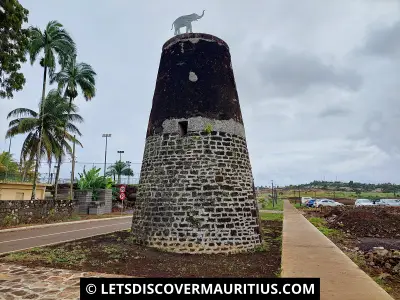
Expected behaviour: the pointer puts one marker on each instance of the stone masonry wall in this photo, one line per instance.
(196, 194)
(16, 212)
(106, 197)
(84, 199)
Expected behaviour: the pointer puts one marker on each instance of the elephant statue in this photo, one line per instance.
(185, 21)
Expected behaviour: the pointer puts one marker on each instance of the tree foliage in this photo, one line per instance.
(92, 180)
(55, 114)
(119, 168)
(54, 42)
(352, 185)
(72, 76)
(14, 43)
(7, 163)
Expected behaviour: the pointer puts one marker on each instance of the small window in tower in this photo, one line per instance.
(183, 128)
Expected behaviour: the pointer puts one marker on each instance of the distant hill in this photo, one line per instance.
(344, 186)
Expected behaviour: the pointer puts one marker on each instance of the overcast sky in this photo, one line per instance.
(318, 80)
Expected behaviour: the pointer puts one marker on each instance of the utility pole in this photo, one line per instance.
(120, 158)
(272, 193)
(129, 166)
(55, 170)
(299, 197)
(106, 135)
(71, 192)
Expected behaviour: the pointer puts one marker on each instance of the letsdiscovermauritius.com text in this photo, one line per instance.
(204, 289)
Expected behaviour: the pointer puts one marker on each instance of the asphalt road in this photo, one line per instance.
(35, 237)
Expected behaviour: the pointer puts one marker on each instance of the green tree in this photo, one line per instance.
(119, 168)
(7, 165)
(92, 180)
(50, 123)
(73, 77)
(27, 168)
(53, 42)
(14, 42)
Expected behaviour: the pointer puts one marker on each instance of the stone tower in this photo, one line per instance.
(196, 192)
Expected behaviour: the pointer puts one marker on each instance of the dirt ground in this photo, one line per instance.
(116, 254)
(366, 222)
(357, 231)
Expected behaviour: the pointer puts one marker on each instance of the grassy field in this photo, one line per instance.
(267, 205)
(335, 194)
(271, 217)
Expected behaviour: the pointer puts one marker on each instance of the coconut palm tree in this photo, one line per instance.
(73, 77)
(53, 42)
(27, 168)
(119, 168)
(50, 123)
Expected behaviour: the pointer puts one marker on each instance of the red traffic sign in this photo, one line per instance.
(122, 196)
(122, 189)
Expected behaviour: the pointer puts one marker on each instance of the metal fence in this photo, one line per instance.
(45, 178)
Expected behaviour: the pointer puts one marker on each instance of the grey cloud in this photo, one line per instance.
(383, 41)
(290, 74)
(281, 92)
(334, 112)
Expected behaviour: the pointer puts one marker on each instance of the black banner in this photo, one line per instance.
(266, 288)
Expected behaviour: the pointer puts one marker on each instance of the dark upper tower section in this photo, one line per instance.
(195, 79)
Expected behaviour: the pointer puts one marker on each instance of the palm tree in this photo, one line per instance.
(72, 76)
(50, 123)
(119, 168)
(27, 168)
(54, 42)
(7, 164)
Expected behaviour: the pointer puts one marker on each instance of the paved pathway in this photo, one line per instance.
(19, 282)
(41, 236)
(306, 252)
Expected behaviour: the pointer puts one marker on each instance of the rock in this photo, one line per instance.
(378, 248)
(371, 263)
(396, 268)
(381, 251)
(356, 248)
(388, 266)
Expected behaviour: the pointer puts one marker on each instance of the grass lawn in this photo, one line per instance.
(271, 217)
(321, 224)
(277, 206)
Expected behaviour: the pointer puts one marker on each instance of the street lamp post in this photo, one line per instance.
(106, 135)
(120, 152)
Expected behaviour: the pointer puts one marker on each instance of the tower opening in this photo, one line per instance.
(183, 128)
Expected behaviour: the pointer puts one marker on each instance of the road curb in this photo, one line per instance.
(2, 254)
(60, 224)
